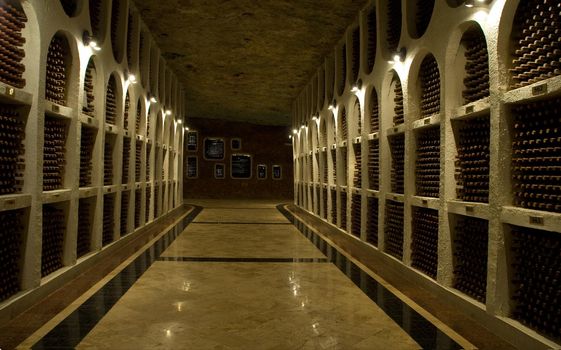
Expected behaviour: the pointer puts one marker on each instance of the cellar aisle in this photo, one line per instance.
(233, 281)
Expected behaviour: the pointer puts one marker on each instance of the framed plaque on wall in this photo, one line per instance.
(192, 141)
(219, 171)
(192, 168)
(240, 167)
(277, 172)
(214, 148)
(261, 171)
(236, 144)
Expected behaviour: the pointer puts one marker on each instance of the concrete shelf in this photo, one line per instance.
(425, 202)
(89, 121)
(12, 95)
(396, 130)
(476, 210)
(535, 91)
(57, 110)
(531, 218)
(471, 110)
(86, 192)
(427, 122)
(56, 196)
(14, 201)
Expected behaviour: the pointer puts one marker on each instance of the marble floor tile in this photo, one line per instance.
(245, 306)
(259, 215)
(247, 241)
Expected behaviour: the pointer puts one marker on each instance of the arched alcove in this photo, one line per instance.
(70, 7)
(429, 89)
(355, 54)
(372, 39)
(112, 95)
(392, 22)
(58, 70)
(341, 68)
(126, 111)
(91, 80)
(98, 14)
(118, 22)
(419, 14)
(342, 127)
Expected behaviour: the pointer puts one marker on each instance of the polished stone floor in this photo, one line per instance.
(240, 276)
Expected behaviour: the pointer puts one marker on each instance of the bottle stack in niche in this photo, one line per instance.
(325, 203)
(399, 112)
(397, 146)
(89, 98)
(476, 81)
(124, 212)
(470, 253)
(430, 87)
(126, 160)
(357, 176)
(427, 165)
(423, 15)
(537, 53)
(472, 161)
(84, 227)
(111, 103)
(148, 199)
(12, 162)
(56, 71)
(536, 158)
(108, 218)
(115, 19)
(86, 154)
(108, 161)
(372, 221)
(537, 265)
(53, 153)
(393, 228)
(12, 68)
(343, 202)
(53, 239)
(137, 207)
(334, 206)
(373, 164)
(11, 237)
(356, 204)
(138, 159)
(425, 241)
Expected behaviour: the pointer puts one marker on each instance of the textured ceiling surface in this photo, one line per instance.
(246, 60)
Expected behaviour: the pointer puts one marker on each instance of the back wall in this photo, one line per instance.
(268, 145)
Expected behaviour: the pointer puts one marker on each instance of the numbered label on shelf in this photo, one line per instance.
(9, 91)
(536, 220)
(55, 109)
(539, 90)
(470, 109)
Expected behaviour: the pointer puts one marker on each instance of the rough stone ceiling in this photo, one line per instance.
(246, 60)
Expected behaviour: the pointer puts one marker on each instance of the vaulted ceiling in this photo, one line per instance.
(246, 60)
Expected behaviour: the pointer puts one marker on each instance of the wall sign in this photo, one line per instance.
(219, 171)
(192, 140)
(261, 171)
(236, 144)
(214, 148)
(192, 168)
(277, 172)
(240, 166)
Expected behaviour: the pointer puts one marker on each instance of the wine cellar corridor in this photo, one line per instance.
(369, 174)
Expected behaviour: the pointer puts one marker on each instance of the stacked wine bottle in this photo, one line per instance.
(53, 153)
(57, 57)
(148, 199)
(374, 112)
(536, 264)
(138, 160)
(430, 87)
(399, 113)
(111, 102)
(84, 227)
(13, 21)
(88, 107)
(87, 141)
(537, 53)
(334, 160)
(536, 158)
(108, 162)
(424, 246)
(125, 197)
(372, 221)
(393, 33)
(316, 200)
(95, 16)
(52, 240)
(476, 81)
(138, 117)
(137, 207)
(130, 39)
(470, 255)
(343, 203)
(148, 150)
(393, 227)
(334, 206)
(397, 146)
(373, 164)
(356, 203)
(344, 131)
(472, 161)
(12, 152)
(126, 159)
(427, 164)
(423, 14)
(357, 177)
(115, 21)
(11, 235)
(355, 63)
(156, 201)
(324, 169)
(108, 218)
(126, 114)
(325, 203)
(342, 69)
(372, 36)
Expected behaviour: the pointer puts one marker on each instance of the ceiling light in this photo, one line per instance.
(180, 122)
(168, 112)
(153, 99)
(131, 78)
(469, 3)
(399, 56)
(357, 87)
(332, 106)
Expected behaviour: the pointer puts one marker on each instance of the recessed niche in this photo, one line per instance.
(429, 78)
(372, 39)
(393, 28)
(96, 17)
(70, 7)
(59, 62)
(342, 69)
(54, 222)
(117, 28)
(111, 101)
(13, 20)
(355, 64)
(396, 99)
(108, 219)
(419, 14)
(476, 68)
(90, 82)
